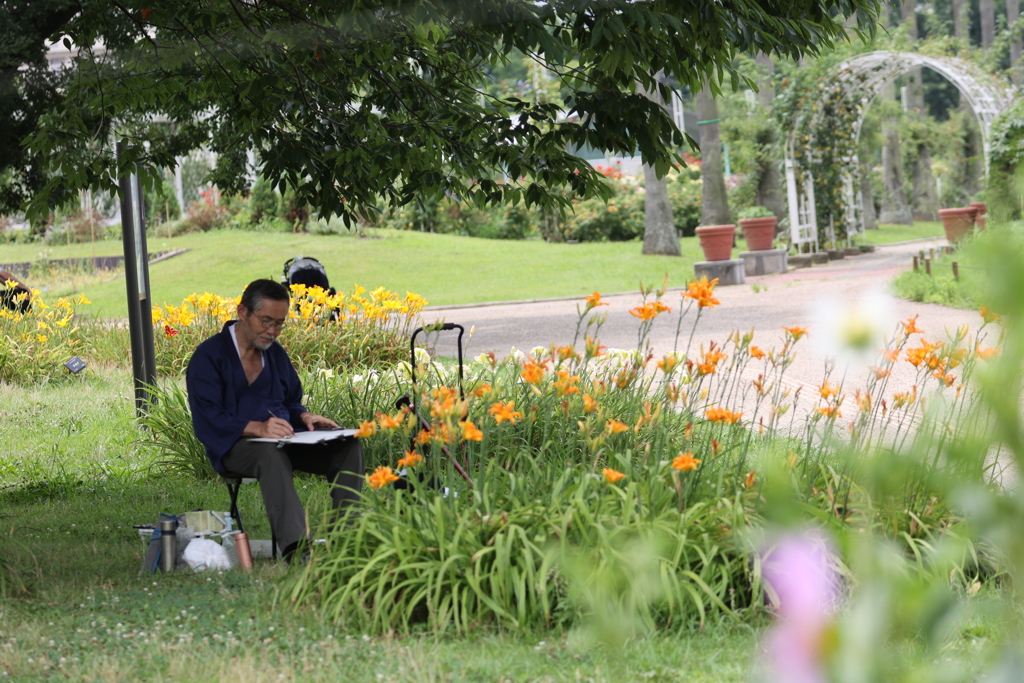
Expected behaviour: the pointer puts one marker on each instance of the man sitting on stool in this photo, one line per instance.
(241, 384)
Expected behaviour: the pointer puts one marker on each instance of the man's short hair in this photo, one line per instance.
(258, 290)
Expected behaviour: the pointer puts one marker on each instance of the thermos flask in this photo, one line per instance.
(243, 550)
(168, 544)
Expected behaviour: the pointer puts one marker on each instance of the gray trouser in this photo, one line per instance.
(341, 461)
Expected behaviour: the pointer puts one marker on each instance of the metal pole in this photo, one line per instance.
(136, 276)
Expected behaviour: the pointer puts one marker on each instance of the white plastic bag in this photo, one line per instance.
(202, 554)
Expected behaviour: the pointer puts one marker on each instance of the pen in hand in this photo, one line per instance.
(290, 430)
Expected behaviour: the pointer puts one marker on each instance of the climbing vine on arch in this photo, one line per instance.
(821, 112)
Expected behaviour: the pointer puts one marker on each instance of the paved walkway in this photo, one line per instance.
(805, 297)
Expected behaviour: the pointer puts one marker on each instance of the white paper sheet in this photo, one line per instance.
(315, 437)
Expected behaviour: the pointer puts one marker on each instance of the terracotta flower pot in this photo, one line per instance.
(982, 209)
(957, 222)
(716, 241)
(758, 232)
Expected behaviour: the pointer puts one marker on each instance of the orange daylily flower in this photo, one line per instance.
(615, 427)
(649, 311)
(830, 411)
(411, 459)
(988, 316)
(532, 372)
(986, 354)
(593, 349)
(722, 415)
(589, 404)
(749, 483)
(390, 423)
(470, 432)
(366, 430)
(566, 383)
(901, 399)
(702, 292)
(381, 477)
(795, 332)
(825, 390)
(594, 300)
(891, 355)
(612, 476)
(880, 373)
(756, 353)
(503, 412)
(668, 363)
(481, 390)
(910, 326)
(685, 461)
(565, 352)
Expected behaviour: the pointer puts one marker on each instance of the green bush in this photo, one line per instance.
(264, 202)
(161, 204)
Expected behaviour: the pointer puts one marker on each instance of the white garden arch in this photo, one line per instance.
(861, 79)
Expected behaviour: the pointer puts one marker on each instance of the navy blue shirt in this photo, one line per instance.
(222, 400)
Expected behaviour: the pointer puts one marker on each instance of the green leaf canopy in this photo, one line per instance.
(358, 104)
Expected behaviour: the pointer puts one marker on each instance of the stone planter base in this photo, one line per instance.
(819, 257)
(867, 248)
(799, 261)
(836, 254)
(764, 262)
(729, 272)
(852, 251)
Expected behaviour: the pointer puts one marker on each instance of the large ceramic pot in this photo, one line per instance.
(716, 241)
(982, 209)
(758, 232)
(957, 222)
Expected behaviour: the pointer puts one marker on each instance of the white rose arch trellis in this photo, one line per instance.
(859, 81)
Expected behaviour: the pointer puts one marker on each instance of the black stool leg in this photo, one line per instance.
(233, 486)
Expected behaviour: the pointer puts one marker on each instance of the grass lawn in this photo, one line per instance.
(445, 269)
(887, 233)
(68, 501)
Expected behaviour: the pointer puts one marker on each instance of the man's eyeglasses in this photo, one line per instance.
(270, 323)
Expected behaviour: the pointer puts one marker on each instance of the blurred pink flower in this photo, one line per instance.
(800, 571)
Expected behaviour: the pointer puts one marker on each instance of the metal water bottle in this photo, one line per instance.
(168, 544)
(243, 550)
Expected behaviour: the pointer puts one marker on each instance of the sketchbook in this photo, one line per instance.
(308, 438)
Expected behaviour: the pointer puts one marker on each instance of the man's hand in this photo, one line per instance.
(313, 421)
(273, 428)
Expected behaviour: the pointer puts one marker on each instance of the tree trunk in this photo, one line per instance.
(988, 22)
(769, 187)
(659, 227)
(915, 94)
(1012, 15)
(961, 22)
(867, 197)
(765, 92)
(894, 198)
(926, 196)
(715, 201)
